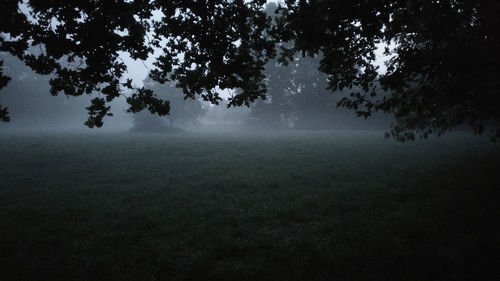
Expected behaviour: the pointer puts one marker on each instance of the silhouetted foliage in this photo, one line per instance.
(220, 42)
(442, 72)
(30, 104)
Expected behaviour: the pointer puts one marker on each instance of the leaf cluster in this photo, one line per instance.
(442, 70)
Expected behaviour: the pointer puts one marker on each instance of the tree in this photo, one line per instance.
(221, 43)
(314, 105)
(293, 88)
(182, 110)
(444, 65)
(31, 105)
(277, 109)
(443, 70)
(296, 92)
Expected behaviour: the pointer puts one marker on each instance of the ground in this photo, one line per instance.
(249, 206)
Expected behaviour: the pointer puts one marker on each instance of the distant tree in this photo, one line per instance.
(298, 98)
(443, 71)
(315, 105)
(295, 92)
(275, 111)
(183, 110)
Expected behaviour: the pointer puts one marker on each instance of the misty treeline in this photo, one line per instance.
(291, 64)
(297, 98)
(32, 107)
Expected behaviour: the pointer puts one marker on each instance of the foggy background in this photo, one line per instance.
(297, 99)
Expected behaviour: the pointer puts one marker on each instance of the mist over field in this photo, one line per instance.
(297, 100)
(288, 205)
(256, 193)
(249, 140)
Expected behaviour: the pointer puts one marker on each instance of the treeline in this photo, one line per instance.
(297, 98)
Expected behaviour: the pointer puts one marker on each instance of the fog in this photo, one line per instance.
(297, 99)
(32, 107)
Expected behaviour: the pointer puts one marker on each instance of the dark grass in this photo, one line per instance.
(276, 206)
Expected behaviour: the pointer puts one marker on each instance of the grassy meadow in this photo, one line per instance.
(249, 206)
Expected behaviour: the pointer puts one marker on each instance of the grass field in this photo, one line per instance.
(253, 206)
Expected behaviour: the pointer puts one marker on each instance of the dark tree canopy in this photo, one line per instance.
(443, 70)
(207, 45)
(444, 67)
